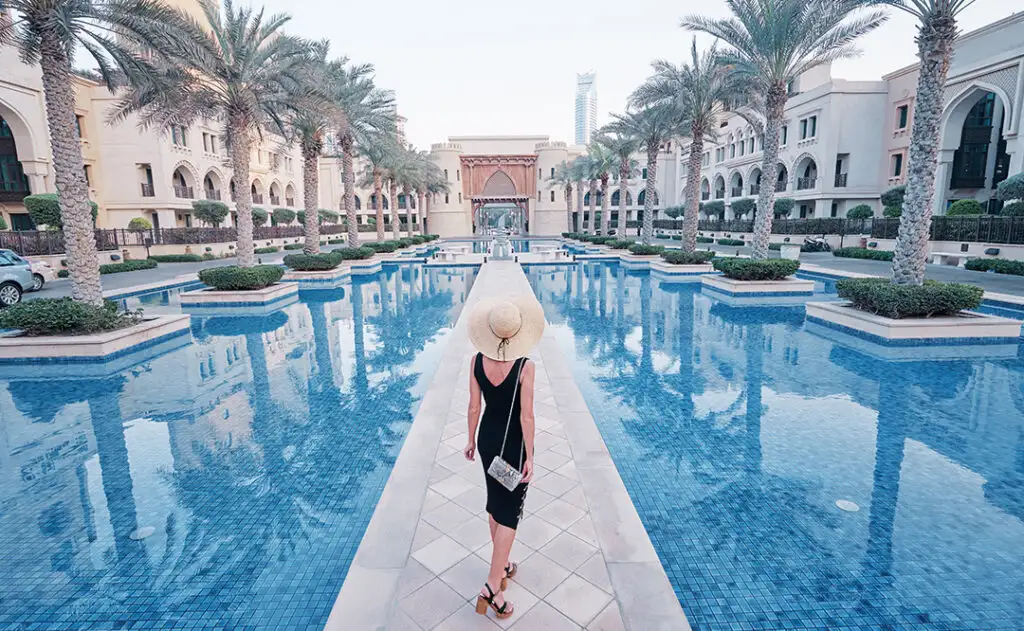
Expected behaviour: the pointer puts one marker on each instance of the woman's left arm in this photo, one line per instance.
(526, 417)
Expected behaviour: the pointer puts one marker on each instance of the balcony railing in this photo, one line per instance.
(289, 201)
(147, 190)
(257, 198)
(806, 183)
(737, 191)
(183, 192)
(212, 194)
(275, 200)
(705, 196)
(755, 189)
(841, 180)
(967, 182)
(719, 194)
(780, 186)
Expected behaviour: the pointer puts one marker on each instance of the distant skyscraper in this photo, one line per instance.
(586, 107)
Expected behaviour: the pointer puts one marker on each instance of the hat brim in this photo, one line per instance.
(519, 345)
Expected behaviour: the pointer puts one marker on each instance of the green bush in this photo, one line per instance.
(783, 206)
(716, 207)
(175, 258)
(127, 266)
(405, 242)
(44, 209)
(999, 266)
(639, 249)
(892, 211)
(880, 296)
(210, 212)
(678, 257)
(731, 242)
(774, 246)
(209, 256)
(418, 240)
(64, 316)
(860, 211)
(1011, 188)
(259, 216)
(294, 246)
(894, 196)
(336, 242)
(705, 240)
(677, 237)
(863, 253)
(313, 262)
(283, 215)
(1013, 209)
(3, 223)
(741, 207)
(620, 244)
(383, 246)
(964, 207)
(139, 223)
(267, 250)
(63, 273)
(233, 278)
(354, 254)
(756, 269)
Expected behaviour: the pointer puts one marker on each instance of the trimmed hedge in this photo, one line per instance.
(964, 207)
(678, 257)
(620, 244)
(354, 254)
(1013, 209)
(383, 246)
(860, 211)
(127, 266)
(64, 316)
(705, 240)
(313, 262)
(44, 209)
(731, 242)
(294, 246)
(234, 278)
(881, 297)
(756, 269)
(175, 258)
(999, 266)
(775, 246)
(268, 250)
(863, 253)
(336, 242)
(639, 249)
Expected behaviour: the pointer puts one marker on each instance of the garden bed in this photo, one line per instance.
(94, 346)
(758, 277)
(962, 328)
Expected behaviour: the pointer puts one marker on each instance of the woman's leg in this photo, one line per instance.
(503, 539)
(493, 525)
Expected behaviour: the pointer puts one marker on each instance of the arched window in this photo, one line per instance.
(616, 199)
(359, 202)
(552, 196)
(642, 198)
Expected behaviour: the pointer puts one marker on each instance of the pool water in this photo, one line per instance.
(790, 480)
(225, 484)
(481, 246)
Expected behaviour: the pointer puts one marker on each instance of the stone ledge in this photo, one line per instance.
(364, 266)
(683, 270)
(751, 288)
(966, 328)
(888, 351)
(98, 347)
(240, 298)
(318, 276)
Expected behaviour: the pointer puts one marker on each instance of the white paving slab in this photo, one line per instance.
(586, 561)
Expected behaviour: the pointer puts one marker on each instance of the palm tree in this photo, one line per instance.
(585, 171)
(377, 153)
(770, 44)
(602, 161)
(936, 32)
(623, 147)
(699, 89)
(367, 112)
(436, 183)
(652, 127)
(564, 178)
(48, 32)
(579, 172)
(397, 170)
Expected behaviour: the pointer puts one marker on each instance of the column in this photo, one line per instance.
(942, 175)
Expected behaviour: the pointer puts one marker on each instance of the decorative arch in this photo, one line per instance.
(616, 198)
(955, 111)
(275, 192)
(735, 179)
(257, 185)
(406, 201)
(289, 194)
(782, 178)
(719, 185)
(24, 138)
(642, 198)
(705, 185)
(801, 161)
(754, 179)
(188, 170)
(384, 201)
(598, 199)
(500, 184)
(359, 202)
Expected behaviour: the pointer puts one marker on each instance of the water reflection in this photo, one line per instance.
(225, 484)
(736, 431)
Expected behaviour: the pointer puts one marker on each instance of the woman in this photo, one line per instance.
(503, 331)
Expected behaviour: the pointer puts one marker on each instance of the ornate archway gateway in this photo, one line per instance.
(500, 188)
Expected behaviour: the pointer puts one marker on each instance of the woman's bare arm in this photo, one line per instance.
(473, 413)
(526, 417)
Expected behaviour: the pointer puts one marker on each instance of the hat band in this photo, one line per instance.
(504, 342)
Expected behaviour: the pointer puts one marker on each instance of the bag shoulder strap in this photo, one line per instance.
(511, 408)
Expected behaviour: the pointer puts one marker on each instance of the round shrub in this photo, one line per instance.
(705, 240)
(139, 223)
(63, 273)
(881, 297)
(783, 206)
(269, 250)
(127, 266)
(756, 269)
(731, 242)
(294, 246)
(313, 262)
(678, 257)
(64, 316)
(44, 209)
(259, 216)
(716, 207)
(175, 258)
(742, 207)
(210, 212)
(964, 207)
(860, 211)
(1013, 209)
(283, 215)
(234, 278)
(1011, 188)
(354, 254)
(620, 244)
(639, 249)
(999, 266)
(863, 253)
(894, 196)
(893, 211)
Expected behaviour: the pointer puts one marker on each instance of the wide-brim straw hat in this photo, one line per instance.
(506, 328)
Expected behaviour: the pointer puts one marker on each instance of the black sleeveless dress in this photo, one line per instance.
(506, 507)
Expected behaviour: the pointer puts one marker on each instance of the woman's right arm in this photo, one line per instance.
(473, 413)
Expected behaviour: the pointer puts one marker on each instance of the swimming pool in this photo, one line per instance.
(225, 484)
(791, 480)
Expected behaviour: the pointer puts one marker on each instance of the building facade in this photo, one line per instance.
(586, 107)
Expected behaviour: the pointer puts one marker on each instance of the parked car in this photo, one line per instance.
(15, 277)
(42, 273)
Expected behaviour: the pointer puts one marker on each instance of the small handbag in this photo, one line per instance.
(507, 475)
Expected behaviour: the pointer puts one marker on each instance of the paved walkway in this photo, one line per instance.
(586, 560)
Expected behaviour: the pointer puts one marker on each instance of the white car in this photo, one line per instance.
(42, 273)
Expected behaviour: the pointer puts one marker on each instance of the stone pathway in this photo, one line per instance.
(586, 561)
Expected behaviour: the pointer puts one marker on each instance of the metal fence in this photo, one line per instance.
(829, 225)
(974, 229)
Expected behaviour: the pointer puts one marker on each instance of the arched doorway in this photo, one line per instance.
(13, 181)
(973, 156)
(499, 209)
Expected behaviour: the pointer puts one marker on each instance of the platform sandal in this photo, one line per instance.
(483, 602)
(510, 572)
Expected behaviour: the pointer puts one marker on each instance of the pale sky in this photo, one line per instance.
(469, 67)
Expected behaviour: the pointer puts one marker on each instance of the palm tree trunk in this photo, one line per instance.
(568, 206)
(69, 172)
(396, 228)
(310, 199)
(348, 181)
(421, 200)
(240, 146)
(647, 236)
(691, 211)
(606, 216)
(620, 227)
(424, 220)
(934, 47)
(775, 107)
(378, 195)
(408, 213)
(579, 205)
(593, 207)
